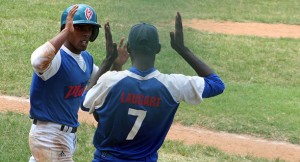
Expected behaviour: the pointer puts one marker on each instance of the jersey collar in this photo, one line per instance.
(141, 73)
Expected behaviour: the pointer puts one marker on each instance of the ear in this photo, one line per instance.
(128, 48)
(158, 49)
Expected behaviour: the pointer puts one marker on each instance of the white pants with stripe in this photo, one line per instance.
(49, 144)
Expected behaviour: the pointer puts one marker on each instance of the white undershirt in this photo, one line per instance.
(77, 57)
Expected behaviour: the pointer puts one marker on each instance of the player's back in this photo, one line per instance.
(137, 112)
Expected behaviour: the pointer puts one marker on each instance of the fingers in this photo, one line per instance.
(172, 38)
(121, 42)
(115, 51)
(70, 17)
(178, 34)
(115, 46)
(172, 35)
(125, 47)
(72, 12)
(123, 51)
(108, 35)
(178, 23)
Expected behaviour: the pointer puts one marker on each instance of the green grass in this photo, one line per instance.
(15, 147)
(261, 74)
(260, 112)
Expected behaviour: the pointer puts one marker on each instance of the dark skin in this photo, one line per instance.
(146, 61)
(119, 57)
(115, 57)
(65, 36)
(76, 38)
(177, 43)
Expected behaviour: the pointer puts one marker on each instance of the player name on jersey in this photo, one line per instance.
(140, 99)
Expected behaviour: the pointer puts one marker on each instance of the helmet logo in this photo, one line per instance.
(88, 13)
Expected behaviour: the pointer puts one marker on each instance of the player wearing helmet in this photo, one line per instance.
(62, 71)
(136, 107)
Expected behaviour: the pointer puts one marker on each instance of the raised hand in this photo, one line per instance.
(111, 47)
(69, 24)
(111, 55)
(177, 44)
(60, 39)
(177, 41)
(122, 56)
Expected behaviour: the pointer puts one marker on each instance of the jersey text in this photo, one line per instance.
(139, 99)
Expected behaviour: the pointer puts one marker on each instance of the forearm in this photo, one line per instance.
(199, 66)
(103, 68)
(59, 39)
(116, 67)
(42, 57)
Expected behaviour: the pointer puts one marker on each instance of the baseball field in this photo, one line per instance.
(261, 71)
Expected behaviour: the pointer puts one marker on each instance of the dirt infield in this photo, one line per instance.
(230, 143)
(250, 29)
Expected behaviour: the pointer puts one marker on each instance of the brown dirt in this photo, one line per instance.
(250, 29)
(230, 143)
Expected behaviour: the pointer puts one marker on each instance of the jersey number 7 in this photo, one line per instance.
(141, 114)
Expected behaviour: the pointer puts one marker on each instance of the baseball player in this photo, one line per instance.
(135, 108)
(62, 70)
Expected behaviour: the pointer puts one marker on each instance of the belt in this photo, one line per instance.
(63, 128)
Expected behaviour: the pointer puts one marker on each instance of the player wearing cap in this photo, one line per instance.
(62, 70)
(135, 108)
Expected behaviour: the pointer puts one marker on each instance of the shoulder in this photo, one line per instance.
(112, 76)
(179, 78)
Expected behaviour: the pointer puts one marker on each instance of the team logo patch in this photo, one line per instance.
(88, 13)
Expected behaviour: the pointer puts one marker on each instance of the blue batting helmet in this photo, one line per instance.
(84, 15)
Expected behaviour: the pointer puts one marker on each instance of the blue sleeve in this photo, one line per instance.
(213, 86)
(82, 100)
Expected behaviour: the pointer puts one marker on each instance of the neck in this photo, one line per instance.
(71, 48)
(143, 66)
(143, 62)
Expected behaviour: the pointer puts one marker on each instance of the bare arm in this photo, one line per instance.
(213, 83)
(111, 55)
(43, 56)
(59, 40)
(177, 44)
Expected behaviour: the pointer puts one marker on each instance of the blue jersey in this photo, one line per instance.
(136, 109)
(58, 98)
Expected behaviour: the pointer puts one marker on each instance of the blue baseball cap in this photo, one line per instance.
(143, 37)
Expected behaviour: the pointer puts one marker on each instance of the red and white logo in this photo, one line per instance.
(88, 13)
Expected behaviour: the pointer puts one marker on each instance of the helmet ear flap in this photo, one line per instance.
(62, 27)
(95, 33)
